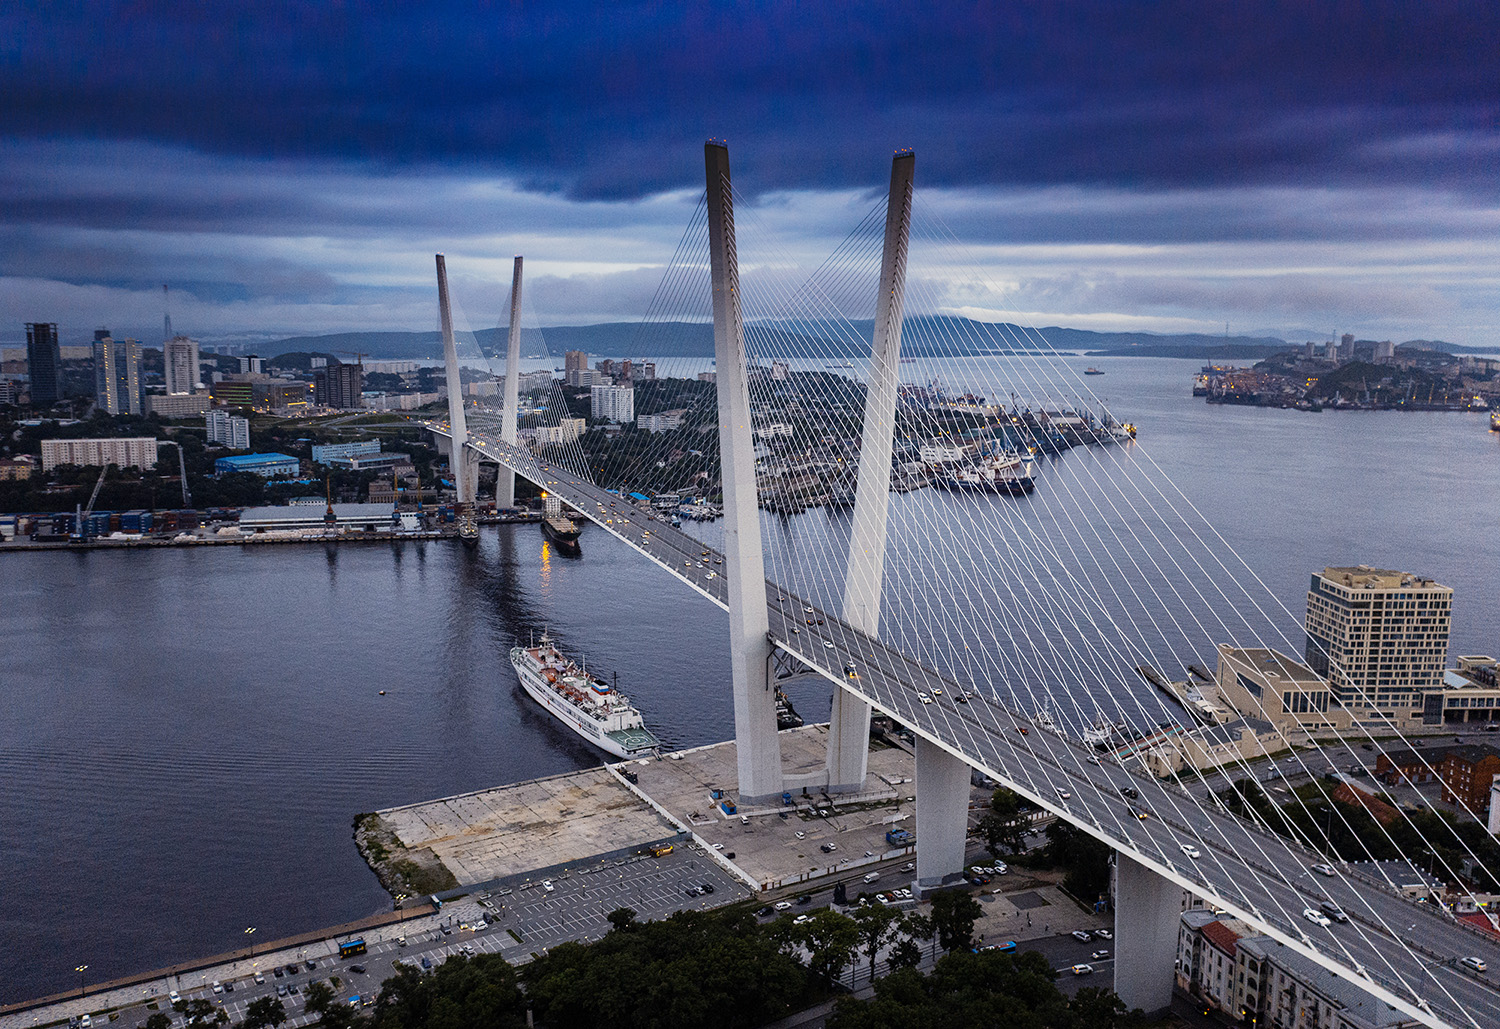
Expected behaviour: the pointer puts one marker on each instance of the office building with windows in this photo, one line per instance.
(180, 361)
(614, 403)
(1380, 638)
(44, 363)
(229, 429)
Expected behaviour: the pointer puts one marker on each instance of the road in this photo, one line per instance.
(1405, 952)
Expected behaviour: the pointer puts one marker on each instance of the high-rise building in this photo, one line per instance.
(117, 374)
(338, 385)
(1346, 347)
(251, 364)
(228, 429)
(180, 357)
(44, 362)
(615, 403)
(646, 372)
(1380, 638)
(574, 360)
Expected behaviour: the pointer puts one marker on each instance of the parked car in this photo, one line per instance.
(1082, 969)
(1081, 936)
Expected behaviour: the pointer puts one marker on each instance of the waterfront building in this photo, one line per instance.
(179, 405)
(267, 466)
(1210, 746)
(1380, 637)
(584, 378)
(44, 363)
(575, 360)
(780, 371)
(1266, 683)
(228, 429)
(613, 403)
(124, 452)
(180, 360)
(347, 517)
(1467, 773)
(322, 453)
(708, 376)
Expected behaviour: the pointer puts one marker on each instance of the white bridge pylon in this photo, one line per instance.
(1398, 951)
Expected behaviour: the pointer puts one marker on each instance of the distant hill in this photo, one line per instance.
(922, 336)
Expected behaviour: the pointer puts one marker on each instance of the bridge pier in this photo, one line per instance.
(849, 720)
(505, 483)
(942, 815)
(1148, 912)
(464, 463)
(757, 747)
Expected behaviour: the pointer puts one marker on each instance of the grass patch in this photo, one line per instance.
(514, 936)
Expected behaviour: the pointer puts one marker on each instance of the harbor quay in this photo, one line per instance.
(523, 867)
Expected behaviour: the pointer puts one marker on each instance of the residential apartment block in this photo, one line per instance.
(127, 452)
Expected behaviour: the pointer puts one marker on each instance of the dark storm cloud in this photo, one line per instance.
(612, 100)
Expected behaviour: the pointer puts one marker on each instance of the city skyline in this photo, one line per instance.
(1165, 170)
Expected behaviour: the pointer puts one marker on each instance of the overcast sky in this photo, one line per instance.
(1164, 166)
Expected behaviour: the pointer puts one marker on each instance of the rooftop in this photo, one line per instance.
(1274, 662)
(1366, 577)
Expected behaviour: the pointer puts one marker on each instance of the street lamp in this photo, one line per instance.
(250, 932)
(80, 969)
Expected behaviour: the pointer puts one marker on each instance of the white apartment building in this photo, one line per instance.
(230, 430)
(663, 422)
(566, 431)
(1381, 639)
(180, 356)
(614, 403)
(127, 452)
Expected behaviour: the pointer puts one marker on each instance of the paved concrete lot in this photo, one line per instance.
(510, 830)
(765, 841)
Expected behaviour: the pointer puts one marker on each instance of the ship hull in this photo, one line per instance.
(581, 724)
(565, 539)
(1012, 486)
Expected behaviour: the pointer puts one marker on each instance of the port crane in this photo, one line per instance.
(80, 532)
(187, 498)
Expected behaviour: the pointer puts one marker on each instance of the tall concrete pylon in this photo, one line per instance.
(505, 485)
(849, 721)
(757, 747)
(460, 458)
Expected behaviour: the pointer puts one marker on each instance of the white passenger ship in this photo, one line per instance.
(584, 703)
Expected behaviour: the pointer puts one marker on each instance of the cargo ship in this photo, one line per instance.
(584, 703)
(558, 527)
(1008, 472)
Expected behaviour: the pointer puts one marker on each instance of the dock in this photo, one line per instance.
(496, 834)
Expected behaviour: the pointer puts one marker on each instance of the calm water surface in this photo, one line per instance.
(186, 735)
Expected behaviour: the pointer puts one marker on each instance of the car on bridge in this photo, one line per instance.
(1190, 850)
(1322, 869)
(1316, 917)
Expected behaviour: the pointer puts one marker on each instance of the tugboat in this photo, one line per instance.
(1091, 370)
(557, 527)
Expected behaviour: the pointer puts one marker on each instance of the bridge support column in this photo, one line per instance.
(757, 747)
(505, 484)
(1148, 912)
(849, 721)
(942, 815)
(465, 465)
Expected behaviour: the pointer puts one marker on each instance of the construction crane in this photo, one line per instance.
(80, 530)
(187, 498)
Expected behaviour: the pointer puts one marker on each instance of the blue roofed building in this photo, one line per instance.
(267, 466)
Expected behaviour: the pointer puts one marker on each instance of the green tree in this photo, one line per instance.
(1085, 859)
(621, 918)
(1004, 826)
(158, 1020)
(830, 939)
(954, 913)
(317, 997)
(200, 1013)
(877, 925)
(264, 1013)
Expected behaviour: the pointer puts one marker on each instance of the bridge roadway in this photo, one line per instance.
(1256, 875)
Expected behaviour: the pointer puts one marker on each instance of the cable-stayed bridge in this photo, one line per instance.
(1166, 839)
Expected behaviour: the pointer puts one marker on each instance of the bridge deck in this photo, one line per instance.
(1259, 876)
